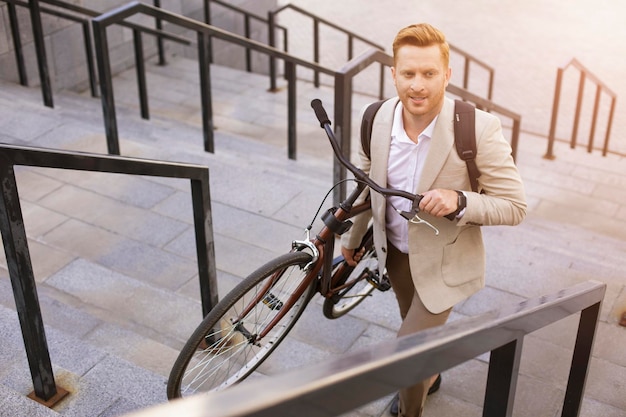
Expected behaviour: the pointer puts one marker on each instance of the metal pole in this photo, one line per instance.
(596, 105)
(504, 365)
(608, 128)
(205, 246)
(343, 112)
(40, 48)
(247, 32)
(316, 51)
(159, 39)
(140, 68)
(580, 361)
(579, 103)
(93, 83)
(555, 112)
(205, 91)
(292, 100)
(24, 286)
(106, 87)
(271, 40)
(17, 44)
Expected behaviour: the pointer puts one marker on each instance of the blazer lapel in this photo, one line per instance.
(440, 146)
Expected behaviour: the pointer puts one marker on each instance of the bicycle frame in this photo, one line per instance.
(324, 243)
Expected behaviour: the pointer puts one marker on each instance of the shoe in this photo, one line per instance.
(394, 408)
(435, 386)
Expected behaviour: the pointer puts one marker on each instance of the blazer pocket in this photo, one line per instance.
(464, 259)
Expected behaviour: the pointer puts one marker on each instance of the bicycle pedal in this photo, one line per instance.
(378, 283)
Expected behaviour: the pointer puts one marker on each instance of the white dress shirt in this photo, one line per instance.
(406, 161)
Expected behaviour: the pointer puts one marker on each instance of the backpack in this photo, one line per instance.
(464, 135)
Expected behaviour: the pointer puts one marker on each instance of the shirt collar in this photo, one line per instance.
(397, 129)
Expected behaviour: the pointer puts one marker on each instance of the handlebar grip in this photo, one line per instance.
(320, 112)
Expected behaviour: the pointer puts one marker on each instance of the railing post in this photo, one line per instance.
(594, 120)
(292, 99)
(159, 26)
(316, 51)
(205, 91)
(106, 87)
(271, 40)
(207, 20)
(605, 149)
(24, 288)
(381, 82)
(248, 34)
(40, 48)
(515, 137)
(205, 246)
(579, 105)
(580, 361)
(504, 365)
(141, 75)
(17, 44)
(93, 85)
(343, 116)
(555, 112)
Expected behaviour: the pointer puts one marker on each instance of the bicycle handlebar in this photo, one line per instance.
(358, 173)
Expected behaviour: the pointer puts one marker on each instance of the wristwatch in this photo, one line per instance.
(461, 204)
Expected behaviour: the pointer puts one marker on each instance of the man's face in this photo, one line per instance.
(421, 79)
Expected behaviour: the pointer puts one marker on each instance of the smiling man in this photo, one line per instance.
(412, 149)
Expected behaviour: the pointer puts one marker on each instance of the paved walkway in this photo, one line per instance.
(114, 255)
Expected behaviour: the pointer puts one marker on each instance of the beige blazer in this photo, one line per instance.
(449, 267)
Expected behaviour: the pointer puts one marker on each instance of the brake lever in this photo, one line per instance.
(414, 218)
(413, 215)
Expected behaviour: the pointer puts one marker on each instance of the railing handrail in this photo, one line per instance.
(16, 246)
(343, 109)
(135, 26)
(247, 15)
(579, 66)
(340, 384)
(469, 58)
(316, 53)
(86, 40)
(40, 47)
(327, 23)
(204, 32)
(601, 87)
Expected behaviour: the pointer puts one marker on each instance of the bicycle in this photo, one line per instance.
(245, 327)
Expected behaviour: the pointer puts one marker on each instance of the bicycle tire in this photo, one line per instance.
(347, 299)
(231, 357)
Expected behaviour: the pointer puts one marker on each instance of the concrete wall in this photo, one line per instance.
(65, 49)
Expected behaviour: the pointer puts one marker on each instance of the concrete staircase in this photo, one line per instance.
(114, 255)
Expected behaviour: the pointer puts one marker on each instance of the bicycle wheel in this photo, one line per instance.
(365, 275)
(224, 350)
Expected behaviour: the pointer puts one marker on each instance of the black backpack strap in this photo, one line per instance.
(366, 125)
(465, 138)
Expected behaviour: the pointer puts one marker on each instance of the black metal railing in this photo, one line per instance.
(338, 385)
(18, 256)
(600, 88)
(343, 109)
(83, 18)
(204, 32)
(468, 61)
(351, 37)
(248, 18)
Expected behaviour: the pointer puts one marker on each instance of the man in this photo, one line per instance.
(412, 149)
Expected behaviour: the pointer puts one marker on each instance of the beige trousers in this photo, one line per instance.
(415, 317)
